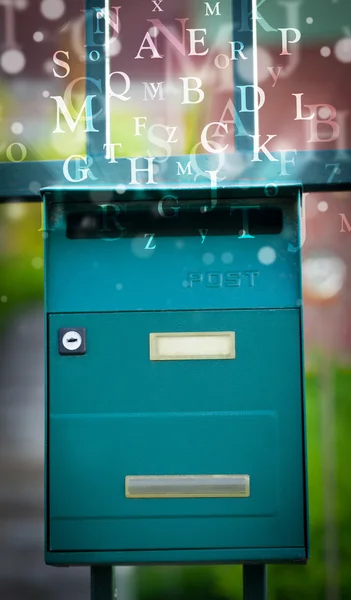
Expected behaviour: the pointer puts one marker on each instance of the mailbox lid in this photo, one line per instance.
(115, 413)
(201, 259)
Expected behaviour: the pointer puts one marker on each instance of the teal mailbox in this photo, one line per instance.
(175, 428)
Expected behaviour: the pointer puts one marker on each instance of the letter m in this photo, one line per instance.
(86, 109)
(152, 89)
(344, 221)
(187, 169)
(212, 11)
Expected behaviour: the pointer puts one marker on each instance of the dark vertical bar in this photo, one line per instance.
(103, 584)
(255, 582)
(243, 32)
(95, 74)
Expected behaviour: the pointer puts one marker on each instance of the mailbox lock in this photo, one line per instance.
(72, 341)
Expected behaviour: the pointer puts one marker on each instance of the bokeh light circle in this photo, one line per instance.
(325, 51)
(52, 9)
(12, 61)
(17, 128)
(208, 258)
(267, 255)
(227, 258)
(323, 206)
(342, 50)
(324, 276)
(38, 36)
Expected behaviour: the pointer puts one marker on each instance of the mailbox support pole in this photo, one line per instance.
(103, 583)
(255, 582)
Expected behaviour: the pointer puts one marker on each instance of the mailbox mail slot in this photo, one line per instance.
(188, 486)
(178, 434)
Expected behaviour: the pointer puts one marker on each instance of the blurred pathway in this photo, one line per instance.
(23, 574)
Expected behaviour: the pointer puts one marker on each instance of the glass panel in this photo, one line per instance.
(303, 57)
(172, 70)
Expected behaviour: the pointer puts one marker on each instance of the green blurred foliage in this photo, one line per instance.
(21, 258)
(47, 145)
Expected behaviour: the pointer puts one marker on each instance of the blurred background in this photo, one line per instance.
(319, 67)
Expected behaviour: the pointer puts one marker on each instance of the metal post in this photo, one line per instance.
(331, 545)
(255, 582)
(103, 583)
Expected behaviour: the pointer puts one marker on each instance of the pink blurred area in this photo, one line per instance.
(327, 324)
(321, 80)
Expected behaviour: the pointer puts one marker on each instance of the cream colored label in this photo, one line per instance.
(209, 345)
(188, 486)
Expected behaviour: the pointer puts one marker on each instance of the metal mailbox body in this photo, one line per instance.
(118, 419)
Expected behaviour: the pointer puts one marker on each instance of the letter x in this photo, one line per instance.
(157, 5)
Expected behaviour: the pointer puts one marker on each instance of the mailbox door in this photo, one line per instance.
(114, 413)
